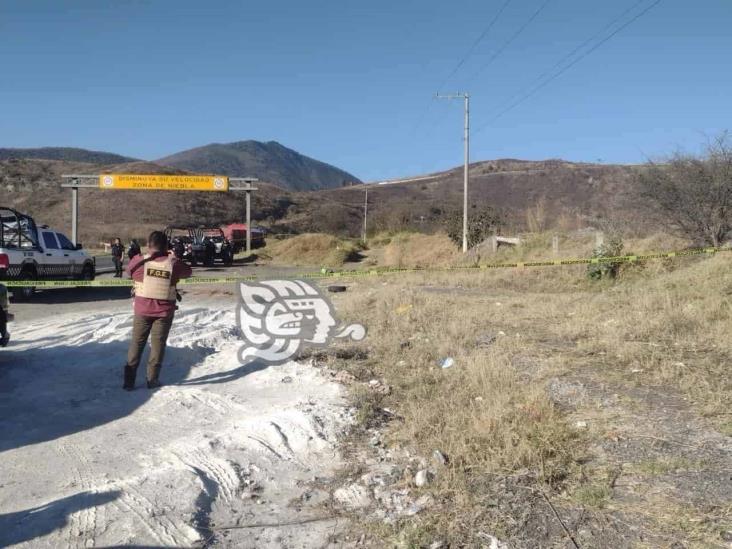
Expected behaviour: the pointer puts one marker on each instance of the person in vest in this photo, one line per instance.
(155, 276)
(117, 253)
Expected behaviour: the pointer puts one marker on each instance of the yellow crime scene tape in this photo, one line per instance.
(325, 273)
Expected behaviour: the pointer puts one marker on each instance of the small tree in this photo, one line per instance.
(692, 195)
(482, 223)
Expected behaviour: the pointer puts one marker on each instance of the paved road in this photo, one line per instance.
(104, 264)
(110, 299)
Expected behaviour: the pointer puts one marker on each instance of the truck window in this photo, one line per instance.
(65, 242)
(49, 241)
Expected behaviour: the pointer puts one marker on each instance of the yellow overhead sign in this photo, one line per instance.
(146, 182)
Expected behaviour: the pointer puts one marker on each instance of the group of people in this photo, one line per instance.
(118, 253)
(155, 276)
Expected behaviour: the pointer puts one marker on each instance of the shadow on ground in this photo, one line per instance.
(78, 295)
(228, 375)
(30, 524)
(57, 390)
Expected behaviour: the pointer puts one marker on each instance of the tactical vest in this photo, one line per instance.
(157, 280)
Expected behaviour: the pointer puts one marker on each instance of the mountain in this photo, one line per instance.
(536, 195)
(34, 187)
(66, 154)
(270, 162)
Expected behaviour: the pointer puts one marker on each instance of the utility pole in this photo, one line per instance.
(365, 213)
(466, 140)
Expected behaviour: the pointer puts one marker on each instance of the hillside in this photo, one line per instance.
(33, 186)
(555, 194)
(66, 154)
(269, 161)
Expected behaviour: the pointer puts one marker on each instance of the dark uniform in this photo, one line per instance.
(117, 252)
(133, 250)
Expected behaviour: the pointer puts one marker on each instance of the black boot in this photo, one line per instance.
(129, 384)
(153, 381)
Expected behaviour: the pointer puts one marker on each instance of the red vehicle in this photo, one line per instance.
(236, 233)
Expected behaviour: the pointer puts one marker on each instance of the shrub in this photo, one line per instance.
(481, 224)
(606, 269)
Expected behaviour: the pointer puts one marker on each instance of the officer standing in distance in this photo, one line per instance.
(117, 256)
(155, 276)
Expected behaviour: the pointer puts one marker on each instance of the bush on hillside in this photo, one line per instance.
(482, 223)
(692, 195)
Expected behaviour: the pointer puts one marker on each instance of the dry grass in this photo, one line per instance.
(663, 324)
(481, 412)
(312, 249)
(417, 250)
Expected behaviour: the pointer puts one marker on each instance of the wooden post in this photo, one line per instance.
(365, 214)
(555, 244)
(494, 243)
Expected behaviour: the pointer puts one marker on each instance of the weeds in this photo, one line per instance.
(508, 332)
(593, 495)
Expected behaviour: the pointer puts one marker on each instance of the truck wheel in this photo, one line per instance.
(25, 293)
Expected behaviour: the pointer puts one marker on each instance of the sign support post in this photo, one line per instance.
(156, 182)
(249, 222)
(75, 212)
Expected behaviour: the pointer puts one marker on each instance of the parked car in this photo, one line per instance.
(200, 245)
(32, 252)
(187, 243)
(223, 249)
(236, 233)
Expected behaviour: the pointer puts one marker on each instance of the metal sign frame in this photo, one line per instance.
(76, 182)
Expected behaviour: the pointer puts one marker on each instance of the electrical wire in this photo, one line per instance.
(570, 54)
(567, 67)
(474, 45)
(462, 61)
(510, 41)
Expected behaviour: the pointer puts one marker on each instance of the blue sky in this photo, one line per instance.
(350, 82)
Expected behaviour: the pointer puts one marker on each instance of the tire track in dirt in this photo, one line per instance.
(217, 470)
(82, 524)
(165, 529)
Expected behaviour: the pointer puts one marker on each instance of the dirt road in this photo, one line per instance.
(86, 464)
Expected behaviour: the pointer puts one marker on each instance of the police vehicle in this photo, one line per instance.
(32, 252)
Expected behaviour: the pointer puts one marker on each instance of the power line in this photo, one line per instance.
(569, 66)
(464, 59)
(513, 37)
(503, 47)
(575, 50)
(475, 44)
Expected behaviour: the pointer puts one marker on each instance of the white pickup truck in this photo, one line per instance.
(30, 252)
